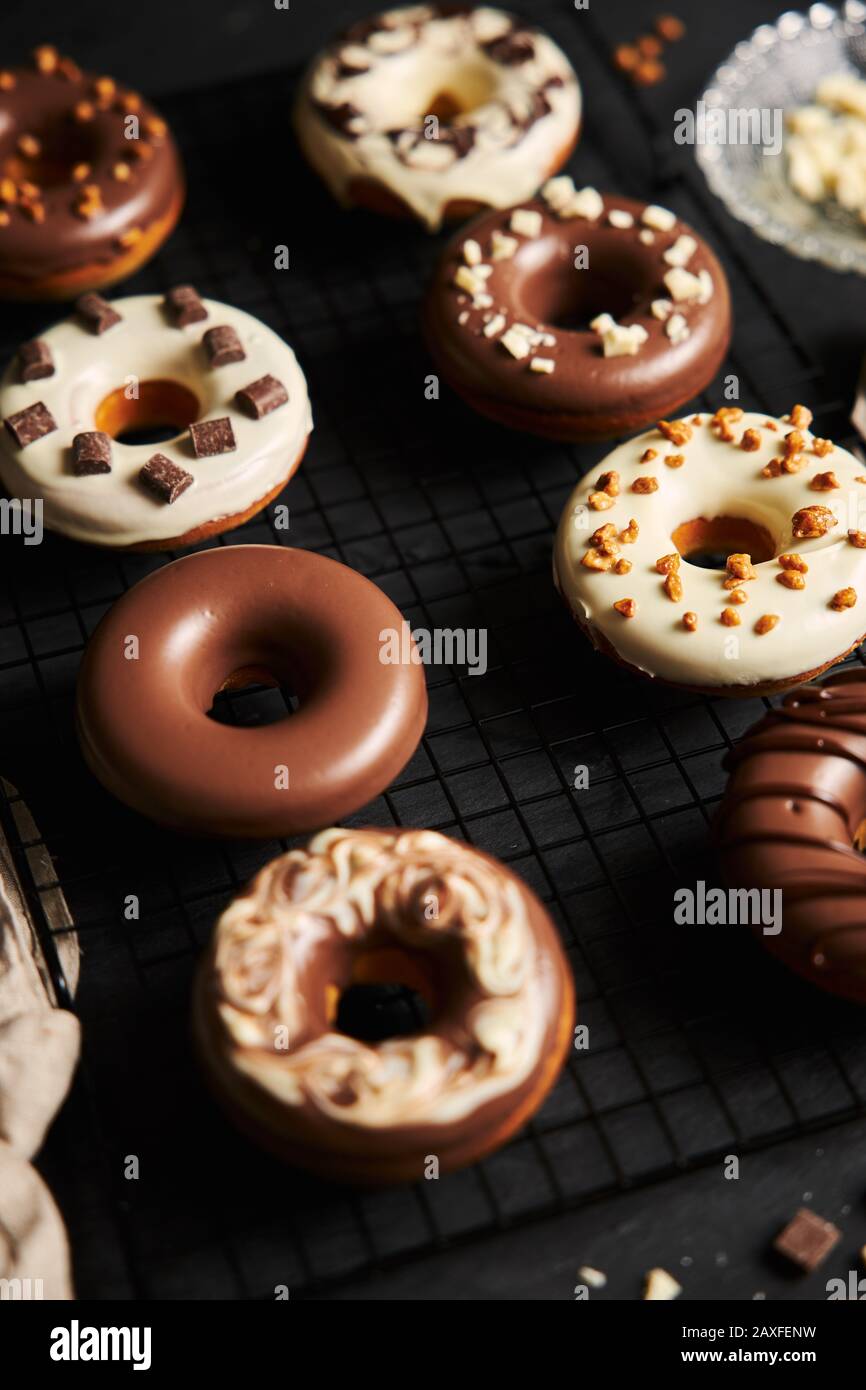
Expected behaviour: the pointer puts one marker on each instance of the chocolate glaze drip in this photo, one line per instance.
(792, 811)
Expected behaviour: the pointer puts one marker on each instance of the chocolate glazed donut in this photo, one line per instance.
(217, 620)
(794, 818)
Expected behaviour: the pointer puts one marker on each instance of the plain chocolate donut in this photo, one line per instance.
(216, 620)
(585, 394)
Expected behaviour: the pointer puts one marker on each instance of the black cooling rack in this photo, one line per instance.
(698, 1045)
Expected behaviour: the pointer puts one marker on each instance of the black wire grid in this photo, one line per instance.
(699, 1046)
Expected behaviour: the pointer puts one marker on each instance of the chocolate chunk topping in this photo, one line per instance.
(261, 397)
(222, 346)
(25, 426)
(212, 437)
(183, 306)
(97, 313)
(340, 117)
(91, 453)
(35, 360)
(166, 480)
(807, 1240)
(511, 49)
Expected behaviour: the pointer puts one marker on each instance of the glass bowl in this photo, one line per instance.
(780, 67)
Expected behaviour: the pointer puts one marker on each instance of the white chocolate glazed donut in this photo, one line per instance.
(361, 110)
(749, 469)
(283, 952)
(114, 508)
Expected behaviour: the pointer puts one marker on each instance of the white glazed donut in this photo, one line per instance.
(91, 377)
(752, 488)
(511, 111)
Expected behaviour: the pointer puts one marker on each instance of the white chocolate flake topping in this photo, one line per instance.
(682, 250)
(618, 217)
(526, 222)
(660, 219)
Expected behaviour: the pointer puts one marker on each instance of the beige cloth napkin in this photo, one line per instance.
(39, 1046)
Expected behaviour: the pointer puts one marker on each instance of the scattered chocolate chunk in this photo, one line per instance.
(511, 50)
(166, 480)
(212, 437)
(806, 1240)
(97, 313)
(183, 306)
(223, 346)
(35, 360)
(341, 117)
(91, 453)
(26, 426)
(262, 396)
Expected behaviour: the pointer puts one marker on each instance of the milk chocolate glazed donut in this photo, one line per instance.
(408, 906)
(794, 817)
(219, 619)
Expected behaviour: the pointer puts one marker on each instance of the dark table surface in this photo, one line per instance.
(710, 1232)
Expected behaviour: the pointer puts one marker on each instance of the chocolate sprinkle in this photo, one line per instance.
(91, 453)
(26, 426)
(97, 313)
(511, 49)
(223, 346)
(261, 397)
(807, 1239)
(166, 480)
(212, 437)
(35, 360)
(183, 306)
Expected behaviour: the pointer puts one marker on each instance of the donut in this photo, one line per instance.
(386, 906)
(229, 386)
(433, 112)
(578, 315)
(793, 818)
(774, 506)
(91, 183)
(217, 620)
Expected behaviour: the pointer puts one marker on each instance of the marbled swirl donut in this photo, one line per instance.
(378, 905)
(228, 384)
(794, 818)
(783, 508)
(437, 111)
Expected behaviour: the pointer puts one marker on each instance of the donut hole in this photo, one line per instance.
(449, 92)
(391, 994)
(158, 412)
(707, 542)
(252, 697)
(551, 290)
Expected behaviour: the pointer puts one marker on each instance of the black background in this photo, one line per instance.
(209, 1218)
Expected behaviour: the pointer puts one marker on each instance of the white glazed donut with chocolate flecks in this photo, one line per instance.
(785, 507)
(226, 382)
(438, 112)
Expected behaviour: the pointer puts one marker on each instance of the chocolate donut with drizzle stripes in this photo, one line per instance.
(794, 818)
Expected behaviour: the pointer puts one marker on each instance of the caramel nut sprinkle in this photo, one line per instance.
(740, 566)
(604, 533)
(622, 566)
(793, 463)
(645, 485)
(773, 469)
(668, 564)
(845, 598)
(35, 360)
(675, 460)
(690, 622)
(91, 453)
(68, 70)
(8, 191)
(792, 561)
(673, 587)
(677, 431)
(793, 442)
(771, 425)
(46, 57)
(7, 81)
(766, 623)
(626, 57)
(105, 88)
(261, 396)
(801, 418)
(730, 617)
(30, 424)
(599, 501)
(166, 480)
(824, 482)
(97, 313)
(156, 127)
(34, 211)
(595, 560)
(649, 46)
(648, 73)
(791, 579)
(858, 538)
(630, 533)
(210, 437)
(810, 522)
(670, 28)
(751, 440)
(84, 111)
(626, 606)
(822, 447)
(5, 219)
(609, 483)
(129, 237)
(80, 172)
(121, 171)
(738, 596)
(29, 146)
(648, 455)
